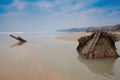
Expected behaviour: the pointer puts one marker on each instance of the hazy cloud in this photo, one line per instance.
(53, 14)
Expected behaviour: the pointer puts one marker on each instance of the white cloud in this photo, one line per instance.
(8, 14)
(17, 4)
(93, 11)
(20, 5)
(65, 7)
(54, 7)
(45, 4)
(68, 15)
(15, 8)
(78, 6)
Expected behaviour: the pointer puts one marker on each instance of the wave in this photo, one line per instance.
(11, 32)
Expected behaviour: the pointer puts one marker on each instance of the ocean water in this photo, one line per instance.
(43, 57)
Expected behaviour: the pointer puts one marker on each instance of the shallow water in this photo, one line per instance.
(46, 58)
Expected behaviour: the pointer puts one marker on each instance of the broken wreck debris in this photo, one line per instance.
(18, 38)
(98, 45)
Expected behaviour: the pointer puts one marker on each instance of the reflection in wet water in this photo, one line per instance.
(103, 66)
(17, 44)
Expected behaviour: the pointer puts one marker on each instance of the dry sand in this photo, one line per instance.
(77, 35)
(73, 36)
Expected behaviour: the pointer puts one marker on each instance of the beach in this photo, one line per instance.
(52, 56)
(73, 36)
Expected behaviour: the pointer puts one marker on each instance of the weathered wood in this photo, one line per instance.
(83, 41)
(97, 45)
(95, 40)
(18, 38)
(114, 36)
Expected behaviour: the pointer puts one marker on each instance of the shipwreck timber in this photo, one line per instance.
(18, 38)
(98, 45)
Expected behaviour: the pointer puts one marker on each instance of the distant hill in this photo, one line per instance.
(73, 30)
(105, 28)
(89, 29)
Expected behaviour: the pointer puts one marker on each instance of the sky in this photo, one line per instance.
(49, 15)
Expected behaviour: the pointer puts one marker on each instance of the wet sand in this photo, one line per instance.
(44, 57)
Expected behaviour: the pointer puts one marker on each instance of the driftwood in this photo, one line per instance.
(98, 45)
(18, 38)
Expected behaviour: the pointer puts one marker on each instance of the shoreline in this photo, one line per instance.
(73, 36)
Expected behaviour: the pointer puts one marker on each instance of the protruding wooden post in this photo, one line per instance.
(18, 38)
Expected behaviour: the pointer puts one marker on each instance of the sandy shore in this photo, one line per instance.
(77, 35)
(73, 36)
(45, 58)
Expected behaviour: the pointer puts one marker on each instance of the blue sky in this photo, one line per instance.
(48, 15)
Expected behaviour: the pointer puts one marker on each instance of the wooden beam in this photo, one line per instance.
(95, 40)
(18, 38)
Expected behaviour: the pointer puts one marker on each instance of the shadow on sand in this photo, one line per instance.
(17, 44)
